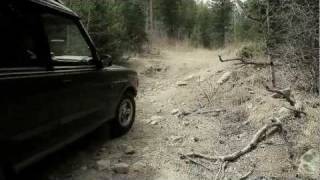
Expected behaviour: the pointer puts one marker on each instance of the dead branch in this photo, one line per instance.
(221, 171)
(296, 112)
(247, 175)
(286, 96)
(195, 162)
(211, 111)
(242, 61)
(262, 134)
(254, 142)
(226, 60)
(289, 149)
(274, 126)
(198, 155)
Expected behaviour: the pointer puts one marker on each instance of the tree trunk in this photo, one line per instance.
(88, 20)
(270, 59)
(151, 16)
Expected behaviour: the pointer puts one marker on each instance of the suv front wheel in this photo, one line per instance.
(2, 177)
(126, 112)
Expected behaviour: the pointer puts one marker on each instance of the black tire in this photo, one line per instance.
(2, 174)
(119, 125)
(7, 173)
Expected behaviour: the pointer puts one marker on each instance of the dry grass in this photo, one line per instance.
(236, 115)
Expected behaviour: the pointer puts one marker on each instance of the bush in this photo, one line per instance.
(251, 51)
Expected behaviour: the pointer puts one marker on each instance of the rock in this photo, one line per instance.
(219, 72)
(103, 149)
(286, 91)
(177, 139)
(245, 123)
(157, 118)
(186, 123)
(196, 139)
(224, 78)
(121, 168)
(154, 120)
(215, 114)
(183, 113)
(175, 111)
(285, 113)
(202, 78)
(84, 168)
(263, 178)
(103, 164)
(158, 69)
(189, 78)
(315, 104)
(138, 166)
(250, 106)
(182, 83)
(309, 166)
(299, 106)
(276, 95)
(129, 150)
(259, 100)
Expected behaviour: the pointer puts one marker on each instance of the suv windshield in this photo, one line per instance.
(65, 39)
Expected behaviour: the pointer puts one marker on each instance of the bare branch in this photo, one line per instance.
(274, 126)
(243, 61)
(286, 96)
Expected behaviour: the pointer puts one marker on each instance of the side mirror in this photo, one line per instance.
(106, 60)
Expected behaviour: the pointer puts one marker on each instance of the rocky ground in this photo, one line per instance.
(191, 102)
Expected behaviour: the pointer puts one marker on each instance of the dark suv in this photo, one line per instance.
(54, 86)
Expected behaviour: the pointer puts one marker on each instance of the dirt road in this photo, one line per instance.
(172, 119)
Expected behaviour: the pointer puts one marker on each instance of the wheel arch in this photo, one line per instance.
(130, 90)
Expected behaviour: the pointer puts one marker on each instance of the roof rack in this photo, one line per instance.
(59, 1)
(57, 5)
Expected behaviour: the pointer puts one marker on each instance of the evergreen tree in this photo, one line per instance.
(169, 10)
(135, 21)
(221, 20)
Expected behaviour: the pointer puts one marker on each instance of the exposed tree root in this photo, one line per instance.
(268, 129)
(258, 137)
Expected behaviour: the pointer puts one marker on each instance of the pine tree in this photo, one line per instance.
(221, 21)
(169, 10)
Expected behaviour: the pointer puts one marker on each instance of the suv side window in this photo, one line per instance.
(67, 44)
(19, 31)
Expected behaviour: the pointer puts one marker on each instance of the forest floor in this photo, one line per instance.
(174, 116)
